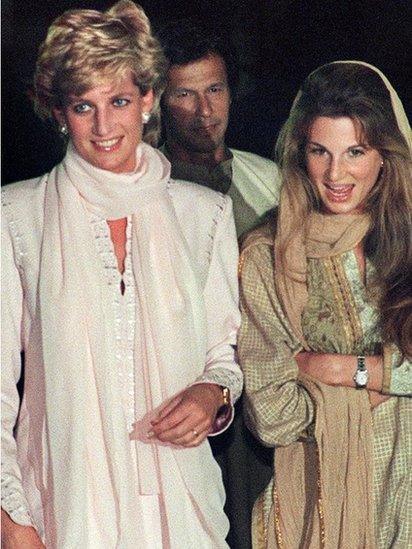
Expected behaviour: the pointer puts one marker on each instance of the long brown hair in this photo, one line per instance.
(356, 91)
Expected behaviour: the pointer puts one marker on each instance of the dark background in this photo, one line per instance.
(278, 42)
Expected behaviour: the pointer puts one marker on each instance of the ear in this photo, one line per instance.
(59, 116)
(148, 101)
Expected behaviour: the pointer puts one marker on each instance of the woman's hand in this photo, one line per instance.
(15, 536)
(338, 370)
(324, 367)
(187, 419)
(376, 398)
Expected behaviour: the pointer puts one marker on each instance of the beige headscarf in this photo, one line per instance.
(323, 491)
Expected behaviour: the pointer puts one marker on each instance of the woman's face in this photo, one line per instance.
(105, 123)
(340, 166)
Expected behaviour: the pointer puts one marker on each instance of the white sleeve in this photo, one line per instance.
(223, 316)
(13, 500)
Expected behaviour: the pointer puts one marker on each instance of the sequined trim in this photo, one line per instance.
(14, 503)
(124, 310)
(220, 206)
(13, 227)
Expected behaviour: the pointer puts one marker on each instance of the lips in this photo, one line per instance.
(107, 145)
(339, 193)
(206, 127)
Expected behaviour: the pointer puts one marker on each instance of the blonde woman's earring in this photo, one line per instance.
(146, 117)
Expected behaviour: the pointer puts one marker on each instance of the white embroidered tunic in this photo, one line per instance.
(207, 225)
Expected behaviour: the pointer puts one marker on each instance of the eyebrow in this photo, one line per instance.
(188, 88)
(79, 98)
(364, 145)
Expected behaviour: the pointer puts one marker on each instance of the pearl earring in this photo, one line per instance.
(146, 117)
(63, 129)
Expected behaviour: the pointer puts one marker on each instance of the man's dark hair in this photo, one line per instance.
(185, 41)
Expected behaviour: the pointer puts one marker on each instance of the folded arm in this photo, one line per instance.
(278, 409)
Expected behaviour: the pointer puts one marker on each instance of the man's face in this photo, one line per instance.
(196, 105)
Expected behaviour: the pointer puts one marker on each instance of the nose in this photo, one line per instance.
(336, 169)
(204, 107)
(102, 122)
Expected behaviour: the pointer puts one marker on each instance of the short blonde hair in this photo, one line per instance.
(84, 48)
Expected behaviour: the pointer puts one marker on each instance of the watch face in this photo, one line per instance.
(361, 378)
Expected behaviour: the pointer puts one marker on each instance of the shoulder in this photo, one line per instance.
(254, 160)
(257, 178)
(203, 216)
(23, 195)
(23, 213)
(197, 198)
(262, 236)
(187, 189)
(257, 249)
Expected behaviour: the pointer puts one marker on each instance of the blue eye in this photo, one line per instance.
(80, 108)
(120, 102)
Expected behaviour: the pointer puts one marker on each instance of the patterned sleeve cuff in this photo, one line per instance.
(14, 504)
(397, 375)
(387, 368)
(225, 378)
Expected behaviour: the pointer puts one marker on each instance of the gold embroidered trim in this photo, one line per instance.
(240, 265)
(344, 300)
(321, 513)
(278, 533)
(260, 531)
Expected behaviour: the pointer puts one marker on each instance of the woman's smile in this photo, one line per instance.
(338, 193)
(108, 145)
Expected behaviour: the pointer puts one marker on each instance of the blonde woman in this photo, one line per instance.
(120, 287)
(325, 341)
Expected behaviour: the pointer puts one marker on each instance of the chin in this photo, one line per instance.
(340, 208)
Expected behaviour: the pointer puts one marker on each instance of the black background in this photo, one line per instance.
(278, 42)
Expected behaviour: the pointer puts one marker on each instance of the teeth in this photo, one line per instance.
(108, 143)
(339, 189)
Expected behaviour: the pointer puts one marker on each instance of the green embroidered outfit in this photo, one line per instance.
(339, 317)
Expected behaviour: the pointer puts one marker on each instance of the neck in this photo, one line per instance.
(210, 159)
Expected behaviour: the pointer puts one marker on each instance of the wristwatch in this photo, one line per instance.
(361, 375)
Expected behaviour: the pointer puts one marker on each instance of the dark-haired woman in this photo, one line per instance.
(325, 343)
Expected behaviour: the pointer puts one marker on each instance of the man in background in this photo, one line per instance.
(201, 82)
(195, 109)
